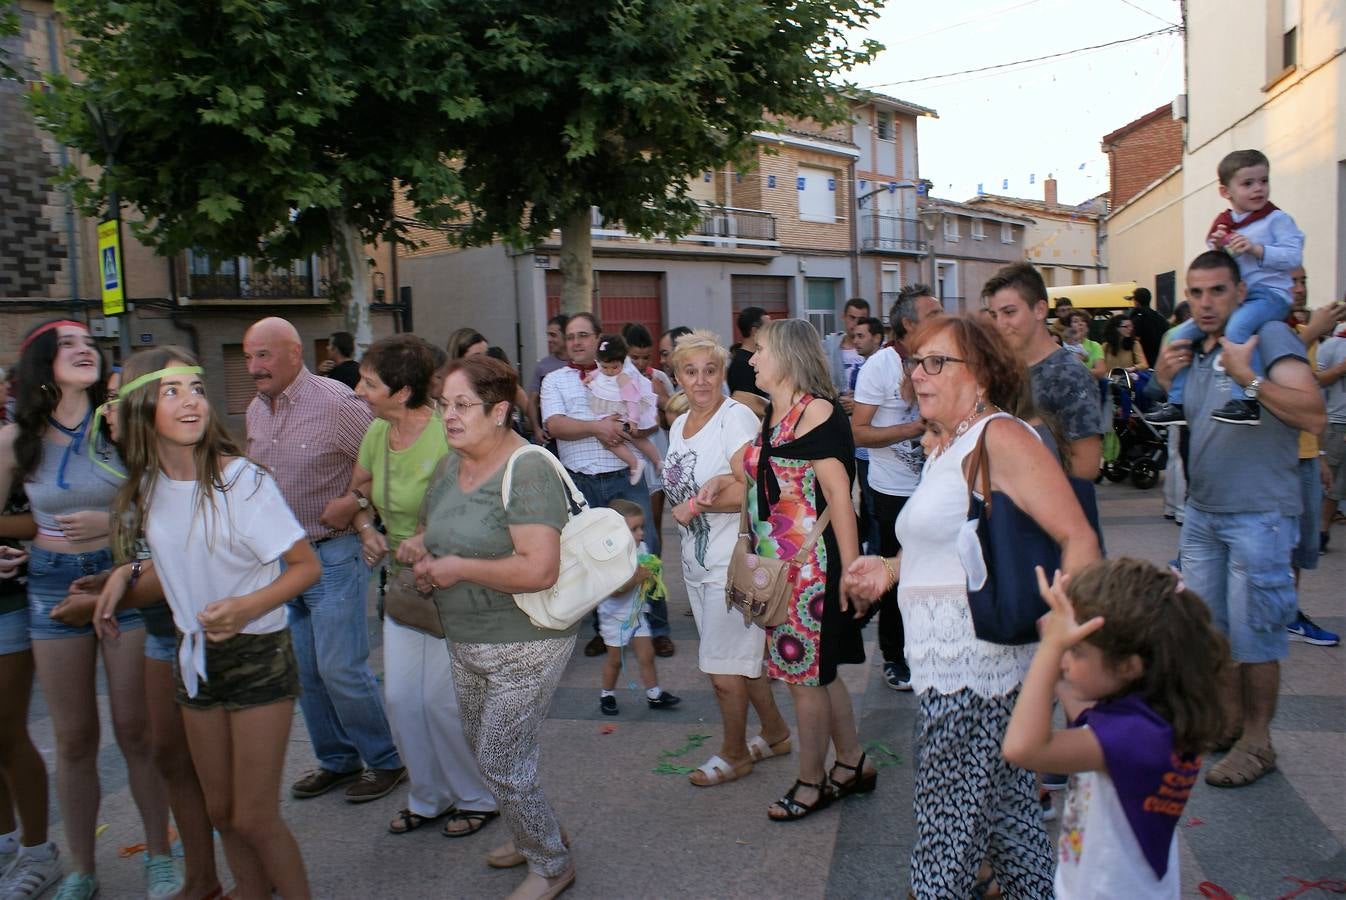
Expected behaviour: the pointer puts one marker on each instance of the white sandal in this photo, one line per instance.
(759, 749)
(717, 771)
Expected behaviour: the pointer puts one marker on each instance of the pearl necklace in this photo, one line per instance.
(962, 427)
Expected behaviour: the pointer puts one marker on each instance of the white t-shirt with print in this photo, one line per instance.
(1098, 857)
(708, 541)
(893, 470)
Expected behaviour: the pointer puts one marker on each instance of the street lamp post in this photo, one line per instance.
(110, 138)
(930, 221)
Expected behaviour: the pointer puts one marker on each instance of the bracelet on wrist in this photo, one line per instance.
(691, 506)
(892, 574)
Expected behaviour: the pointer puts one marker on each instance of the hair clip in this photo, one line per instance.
(602, 345)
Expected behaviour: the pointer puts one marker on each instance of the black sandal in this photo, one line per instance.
(410, 821)
(475, 820)
(794, 809)
(859, 783)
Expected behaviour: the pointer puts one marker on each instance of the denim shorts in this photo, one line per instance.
(14, 632)
(49, 578)
(244, 671)
(1305, 554)
(1239, 564)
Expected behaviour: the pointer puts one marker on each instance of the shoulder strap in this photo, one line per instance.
(980, 467)
(573, 494)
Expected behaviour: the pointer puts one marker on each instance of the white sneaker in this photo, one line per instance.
(29, 877)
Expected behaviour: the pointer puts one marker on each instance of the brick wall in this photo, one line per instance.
(781, 198)
(1143, 155)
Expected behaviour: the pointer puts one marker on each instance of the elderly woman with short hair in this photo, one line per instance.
(401, 449)
(702, 444)
(475, 552)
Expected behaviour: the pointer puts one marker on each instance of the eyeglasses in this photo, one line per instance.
(933, 364)
(579, 335)
(458, 407)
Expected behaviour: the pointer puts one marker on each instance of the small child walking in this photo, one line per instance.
(1139, 682)
(615, 392)
(621, 620)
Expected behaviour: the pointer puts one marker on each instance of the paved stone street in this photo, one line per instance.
(641, 833)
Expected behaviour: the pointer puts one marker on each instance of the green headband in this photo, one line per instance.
(156, 375)
(122, 394)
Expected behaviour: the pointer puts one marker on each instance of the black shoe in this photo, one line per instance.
(665, 700)
(1239, 412)
(1166, 414)
(897, 676)
(596, 647)
(1322, 541)
(607, 705)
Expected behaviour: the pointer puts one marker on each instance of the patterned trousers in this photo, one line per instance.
(504, 692)
(972, 805)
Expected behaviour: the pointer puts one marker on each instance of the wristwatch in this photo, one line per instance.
(1252, 389)
(360, 499)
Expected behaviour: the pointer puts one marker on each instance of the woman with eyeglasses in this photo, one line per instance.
(475, 551)
(970, 804)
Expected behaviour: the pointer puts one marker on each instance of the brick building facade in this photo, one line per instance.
(1142, 152)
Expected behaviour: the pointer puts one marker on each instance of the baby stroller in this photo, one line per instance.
(1134, 448)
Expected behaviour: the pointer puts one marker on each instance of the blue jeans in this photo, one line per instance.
(599, 491)
(1257, 309)
(342, 705)
(1239, 564)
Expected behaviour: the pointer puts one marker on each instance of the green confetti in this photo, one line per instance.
(880, 755)
(694, 742)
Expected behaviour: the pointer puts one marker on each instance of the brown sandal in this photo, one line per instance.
(1244, 764)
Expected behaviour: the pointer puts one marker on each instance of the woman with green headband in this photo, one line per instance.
(227, 553)
(70, 492)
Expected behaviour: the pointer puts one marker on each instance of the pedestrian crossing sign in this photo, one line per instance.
(110, 259)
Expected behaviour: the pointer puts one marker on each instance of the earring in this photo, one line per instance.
(499, 422)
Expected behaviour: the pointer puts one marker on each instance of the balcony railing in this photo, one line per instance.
(719, 226)
(230, 286)
(891, 233)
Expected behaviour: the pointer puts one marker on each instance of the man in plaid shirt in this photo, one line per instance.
(306, 430)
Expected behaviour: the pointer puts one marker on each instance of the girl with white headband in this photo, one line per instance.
(218, 531)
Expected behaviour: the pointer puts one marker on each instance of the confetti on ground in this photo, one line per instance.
(130, 850)
(669, 769)
(98, 832)
(606, 729)
(880, 755)
(744, 843)
(1194, 821)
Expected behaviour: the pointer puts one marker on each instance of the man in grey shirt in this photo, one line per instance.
(1064, 391)
(1243, 502)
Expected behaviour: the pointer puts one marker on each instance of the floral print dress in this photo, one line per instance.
(816, 636)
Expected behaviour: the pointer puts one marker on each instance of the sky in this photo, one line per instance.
(1024, 122)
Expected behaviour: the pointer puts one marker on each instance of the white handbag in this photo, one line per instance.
(598, 555)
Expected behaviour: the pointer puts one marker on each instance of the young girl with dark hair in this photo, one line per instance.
(228, 553)
(628, 396)
(70, 473)
(1139, 662)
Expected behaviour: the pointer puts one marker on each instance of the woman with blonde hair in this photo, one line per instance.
(800, 466)
(703, 443)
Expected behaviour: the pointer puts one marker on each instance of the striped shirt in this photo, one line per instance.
(309, 439)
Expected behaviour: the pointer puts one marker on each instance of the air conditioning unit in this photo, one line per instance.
(1179, 107)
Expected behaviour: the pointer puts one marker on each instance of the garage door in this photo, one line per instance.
(770, 292)
(622, 297)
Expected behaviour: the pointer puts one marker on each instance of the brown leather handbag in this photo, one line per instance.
(402, 601)
(760, 587)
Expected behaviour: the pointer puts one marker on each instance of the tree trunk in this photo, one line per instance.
(577, 263)
(353, 278)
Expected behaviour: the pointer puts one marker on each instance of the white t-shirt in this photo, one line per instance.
(708, 541)
(235, 550)
(1098, 857)
(894, 470)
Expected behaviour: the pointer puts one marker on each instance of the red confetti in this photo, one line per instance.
(606, 729)
(1194, 821)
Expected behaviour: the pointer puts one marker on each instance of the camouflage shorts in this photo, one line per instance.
(246, 670)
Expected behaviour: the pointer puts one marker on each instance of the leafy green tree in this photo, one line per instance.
(616, 103)
(266, 128)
